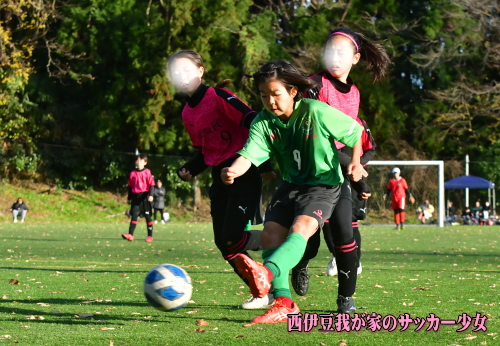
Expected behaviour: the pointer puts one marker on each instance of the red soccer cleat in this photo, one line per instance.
(128, 237)
(277, 313)
(149, 239)
(255, 273)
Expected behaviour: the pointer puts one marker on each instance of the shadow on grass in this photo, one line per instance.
(66, 271)
(117, 238)
(33, 239)
(63, 301)
(441, 254)
(106, 319)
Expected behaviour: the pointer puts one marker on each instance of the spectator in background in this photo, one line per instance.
(425, 211)
(19, 208)
(486, 210)
(468, 216)
(451, 214)
(159, 201)
(478, 211)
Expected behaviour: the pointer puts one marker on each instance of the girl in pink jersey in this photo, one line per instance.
(218, 125)
(140, 195)
(343, 49)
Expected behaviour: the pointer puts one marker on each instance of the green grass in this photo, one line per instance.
(67, 269)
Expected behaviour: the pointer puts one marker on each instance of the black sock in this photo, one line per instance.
(357, 236)
(253, 241)
(131, 227)
(347, 264)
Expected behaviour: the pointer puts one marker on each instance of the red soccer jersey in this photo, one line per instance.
(346, 101)
(398, 188)
(215, 125)
(141, 181)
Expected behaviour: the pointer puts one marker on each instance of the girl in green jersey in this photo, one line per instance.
(300, 134)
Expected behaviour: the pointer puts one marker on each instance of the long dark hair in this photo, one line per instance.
(285, 73)
(372, 53)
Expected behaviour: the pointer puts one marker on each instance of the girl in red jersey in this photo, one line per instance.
(218, 124)
(343, 49)
(140, 195)
(398, 188)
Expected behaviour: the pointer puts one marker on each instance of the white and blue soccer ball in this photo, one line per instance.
(168, 287)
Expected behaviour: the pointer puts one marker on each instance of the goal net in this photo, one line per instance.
(425, 181)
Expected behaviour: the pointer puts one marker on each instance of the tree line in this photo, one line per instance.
(92, 74)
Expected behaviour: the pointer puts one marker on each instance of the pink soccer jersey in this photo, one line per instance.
(215, 125)
(141, 181)
(347, 103)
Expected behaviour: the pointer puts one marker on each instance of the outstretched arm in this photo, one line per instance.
(355, 170)
(237, 169)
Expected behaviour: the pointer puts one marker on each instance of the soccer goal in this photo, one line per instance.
(425, 181)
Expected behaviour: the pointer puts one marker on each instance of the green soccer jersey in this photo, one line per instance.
(304, 147)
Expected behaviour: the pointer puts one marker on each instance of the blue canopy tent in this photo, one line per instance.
(472, 182)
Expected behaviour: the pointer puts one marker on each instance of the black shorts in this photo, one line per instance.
(291, 200)
(141, 205)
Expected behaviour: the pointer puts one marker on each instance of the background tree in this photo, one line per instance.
(85, 81)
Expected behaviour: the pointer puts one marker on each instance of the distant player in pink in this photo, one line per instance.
(398, 188)
(140, 196)
(218, 124)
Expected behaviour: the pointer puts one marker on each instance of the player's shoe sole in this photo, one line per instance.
(255, 273)
(278, 313)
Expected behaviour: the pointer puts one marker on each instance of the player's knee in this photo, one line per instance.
(272, 238)
(305, 226)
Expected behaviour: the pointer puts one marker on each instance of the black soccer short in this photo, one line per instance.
(292, 200)
(140, 205)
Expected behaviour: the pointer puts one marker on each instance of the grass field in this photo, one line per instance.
(81, 284)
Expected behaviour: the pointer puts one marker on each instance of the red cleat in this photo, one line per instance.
(149, 239)
(277, 313)
(255, 273)
(128, 237)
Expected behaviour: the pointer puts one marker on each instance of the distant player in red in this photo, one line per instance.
(140, 195)
(398, 187)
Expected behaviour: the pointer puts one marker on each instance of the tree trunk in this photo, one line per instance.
(196, 193)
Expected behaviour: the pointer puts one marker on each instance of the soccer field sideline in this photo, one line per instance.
(454, 272)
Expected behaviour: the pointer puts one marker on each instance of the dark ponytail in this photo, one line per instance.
(224, 83)
(373, 54)
(285, 73)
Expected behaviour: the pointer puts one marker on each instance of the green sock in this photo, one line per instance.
(280, 284)
(286, 256)
(281, 292)
(266, 253)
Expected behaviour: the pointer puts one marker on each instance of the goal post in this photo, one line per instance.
(440, 166)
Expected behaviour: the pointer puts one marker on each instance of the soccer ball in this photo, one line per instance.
(167, 287)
